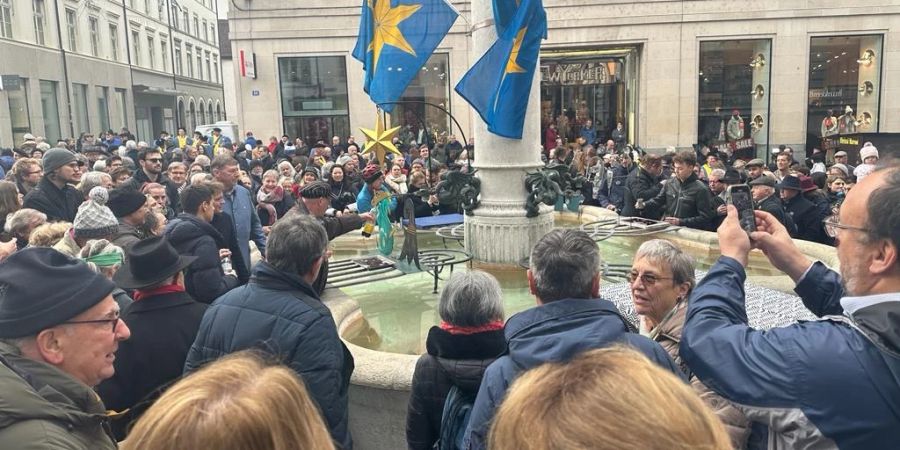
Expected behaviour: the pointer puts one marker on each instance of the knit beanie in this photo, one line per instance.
(316, 189)
(867, 152)
(94, 220)
(41, 288)
(125, 200)
(55, 158)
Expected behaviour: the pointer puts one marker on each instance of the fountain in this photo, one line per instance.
(384, 315)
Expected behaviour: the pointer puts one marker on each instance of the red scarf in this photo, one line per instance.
(167, 289)
(454, 329)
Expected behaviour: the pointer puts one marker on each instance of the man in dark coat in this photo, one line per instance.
(55, 195)
(803, 212)
(315, 199)
(191, 234)
(570, 318)
(281, 312)
(763, 191)
(163, 321)
(644, 184)
(685, 200)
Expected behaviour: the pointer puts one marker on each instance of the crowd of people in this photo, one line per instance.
(134, 313)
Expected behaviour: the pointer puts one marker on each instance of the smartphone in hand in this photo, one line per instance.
(739, 196)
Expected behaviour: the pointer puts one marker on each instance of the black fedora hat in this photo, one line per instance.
(790, 182)
(149, 262)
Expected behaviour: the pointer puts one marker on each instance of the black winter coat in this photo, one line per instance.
(58, 204)
(807, 218)
(281, 313)
(640, 184)
(163, 327)
(773, 206)
(452, 359)
(334, 227)
(204, 279)
(689, 200)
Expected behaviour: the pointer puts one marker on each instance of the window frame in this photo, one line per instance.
(71, 29)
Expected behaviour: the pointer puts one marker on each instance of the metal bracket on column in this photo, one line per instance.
(484, 23)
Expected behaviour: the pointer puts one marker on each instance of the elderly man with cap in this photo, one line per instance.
(93, 221)
(315, 199)
(56, 195)
(763, 191)
(59, 331)
(163, 319)
(841, 157)
(131, 208)
(374, 182)
(802, 211)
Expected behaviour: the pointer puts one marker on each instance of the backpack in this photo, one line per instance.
(455, 419)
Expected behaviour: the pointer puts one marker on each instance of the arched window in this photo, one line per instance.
(219, 111)
(202, 108)
(209, 110)
(181, 118)
(193, 111)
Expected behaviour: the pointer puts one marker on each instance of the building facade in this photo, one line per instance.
(671, 72)
(76, 66)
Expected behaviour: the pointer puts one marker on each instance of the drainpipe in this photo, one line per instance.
(62, 52)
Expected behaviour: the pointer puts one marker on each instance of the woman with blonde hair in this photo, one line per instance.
(610, 398)
(240, 402)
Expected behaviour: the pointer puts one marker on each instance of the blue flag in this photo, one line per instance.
(396, 37)
(498, 85)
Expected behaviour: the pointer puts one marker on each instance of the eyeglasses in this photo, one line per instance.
(833, 224)
(153, 160)
(114, 323)
(646, 278)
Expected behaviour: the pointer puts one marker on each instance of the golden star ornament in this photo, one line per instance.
(387, 32)
(380, 141)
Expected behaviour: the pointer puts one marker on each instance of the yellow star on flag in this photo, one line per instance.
(511, 65)
(387, 31)
(380, 141)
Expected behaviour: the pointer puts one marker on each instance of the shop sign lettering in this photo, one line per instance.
(575, 73)
(826, 93)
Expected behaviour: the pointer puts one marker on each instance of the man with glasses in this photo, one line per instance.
(59, 332)
(570, 318)
(27, 173)
(55, 195)
(151, 171)
(832, 383)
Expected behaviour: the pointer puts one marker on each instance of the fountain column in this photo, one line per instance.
(499, 232)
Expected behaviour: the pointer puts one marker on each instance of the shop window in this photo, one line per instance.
(19, 115)
(422, 123)
(844, 88)
(314, 97)
(733, 98)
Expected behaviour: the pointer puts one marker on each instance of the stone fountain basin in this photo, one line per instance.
(380, 387)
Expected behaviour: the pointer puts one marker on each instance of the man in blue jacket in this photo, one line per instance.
(239, 206)
(832, 383)
(570, 318)
(280, 312)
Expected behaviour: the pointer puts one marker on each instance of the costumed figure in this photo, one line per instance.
(847, 121)
(735, 127)
(829, 124)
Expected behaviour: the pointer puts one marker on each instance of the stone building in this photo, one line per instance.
(92, 65)
(671, 71)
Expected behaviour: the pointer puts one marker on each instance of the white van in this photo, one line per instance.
(229, 129)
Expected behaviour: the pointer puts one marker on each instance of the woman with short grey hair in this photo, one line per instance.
(459, 350)
(662, 278)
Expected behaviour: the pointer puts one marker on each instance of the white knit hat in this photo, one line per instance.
(866, 152)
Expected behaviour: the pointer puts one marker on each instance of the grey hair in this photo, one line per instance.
(91, 180)
(884, 223)
(718, 173)
(199, 178)
(98, 247)
(470, 299)
(664, 252)
(564, 264)
(20, 220)
(295, 243)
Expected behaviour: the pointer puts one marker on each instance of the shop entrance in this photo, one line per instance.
(595, 85)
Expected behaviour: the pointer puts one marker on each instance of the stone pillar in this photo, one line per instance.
(499, 232)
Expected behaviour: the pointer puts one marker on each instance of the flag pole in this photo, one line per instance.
(450, 5)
